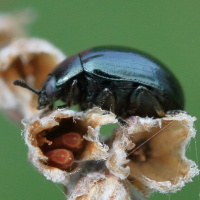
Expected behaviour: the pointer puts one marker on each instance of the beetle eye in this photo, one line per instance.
(50, 87)
(42, 101)
(49, 90)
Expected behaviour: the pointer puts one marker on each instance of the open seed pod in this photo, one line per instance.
(61, 141)
(29, 60)
(157, 161)
(13, 26)
(102, 186)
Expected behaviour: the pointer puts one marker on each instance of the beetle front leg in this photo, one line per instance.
(139, 94)
(69, 99)
(51, 107)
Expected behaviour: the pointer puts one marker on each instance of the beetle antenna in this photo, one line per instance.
(24, 85)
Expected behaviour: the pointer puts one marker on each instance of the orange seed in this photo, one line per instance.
(60, 158)
(70, 141)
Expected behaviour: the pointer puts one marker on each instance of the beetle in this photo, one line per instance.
(123, 80)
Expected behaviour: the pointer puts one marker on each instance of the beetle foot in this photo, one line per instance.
(45, 111)
(176, 112)
(106, 112)
(61, 107)
(122, 122)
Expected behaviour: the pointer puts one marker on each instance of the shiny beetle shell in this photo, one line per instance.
(118, 79)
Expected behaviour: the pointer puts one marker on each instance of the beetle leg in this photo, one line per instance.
(106, 112)
(51, 107)
(158, 107)
(104, 94)
(121, 121)
(100, 100)
(102, 97)
(112, 106)
(176, 112)
(61, 107)
(47, 110)
(137, 95)
(69, 100)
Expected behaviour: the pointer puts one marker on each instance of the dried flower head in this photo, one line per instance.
(157, 161)
(13, 26)
(29, 60)
(100, 186)
(61, 141)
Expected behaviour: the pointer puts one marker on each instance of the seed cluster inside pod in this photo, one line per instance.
(63, 144)
(62, 141)
(141, 152)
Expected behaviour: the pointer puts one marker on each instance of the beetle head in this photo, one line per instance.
(43, 101)
(48, 94)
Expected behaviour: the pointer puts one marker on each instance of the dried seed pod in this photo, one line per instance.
(94, 119)
(158, 161)
(29, 60)
(43, 137)
(101, 186)
(117, 160)
(13, 25)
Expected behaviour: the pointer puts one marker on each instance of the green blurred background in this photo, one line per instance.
(169, 30)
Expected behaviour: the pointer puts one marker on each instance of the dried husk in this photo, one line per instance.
(158, 161)
(86, 124)
(13, 25)
(100, 186)
(29, 60)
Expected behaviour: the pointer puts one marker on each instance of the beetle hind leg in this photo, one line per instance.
(176, 112)
(158, 108)
(143, 96)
